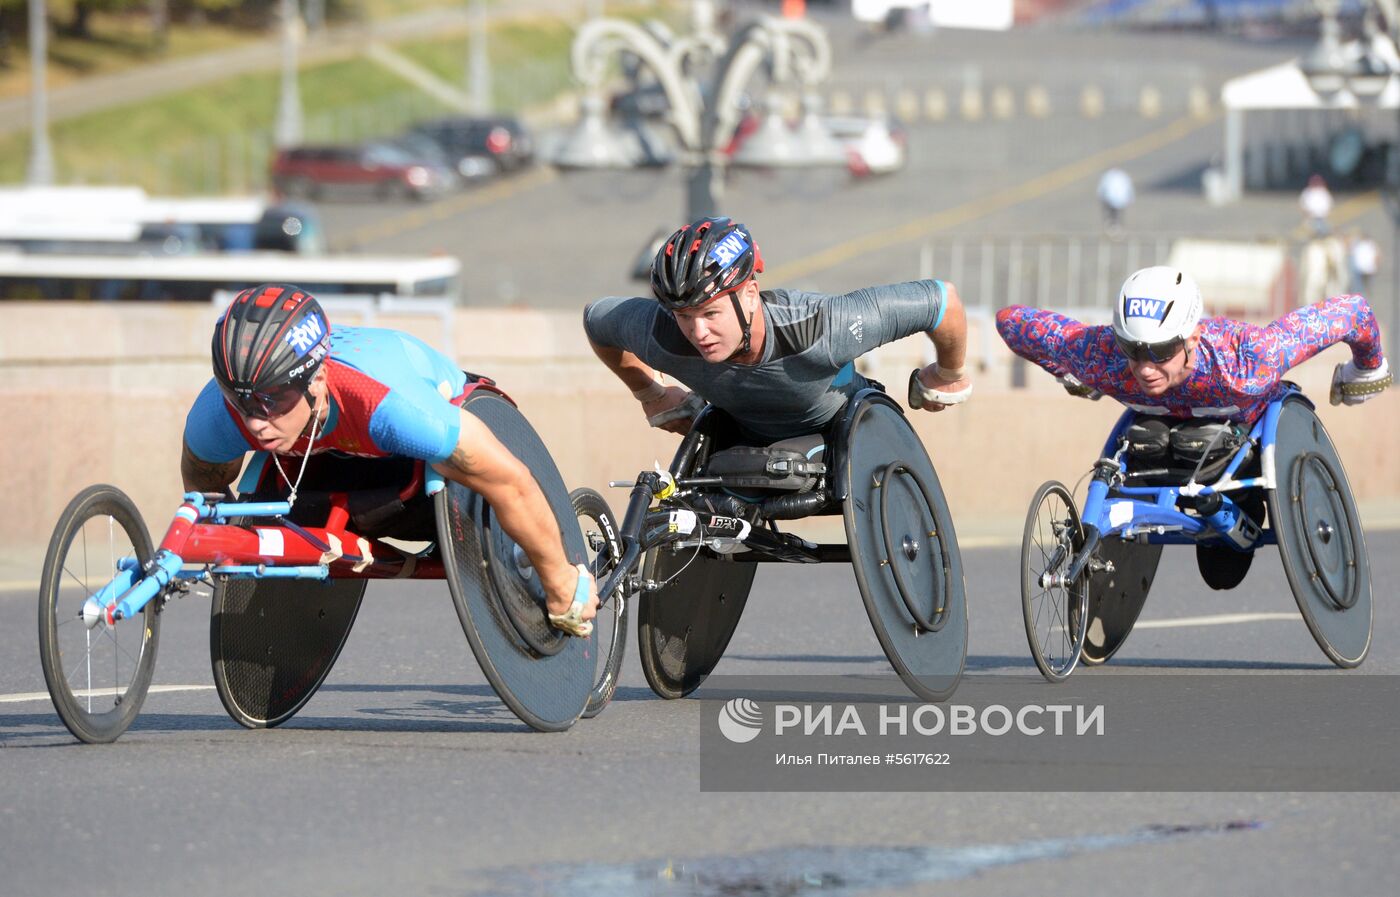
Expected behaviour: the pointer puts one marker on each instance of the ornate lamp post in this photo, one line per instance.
(703, 77)
(1367, 70)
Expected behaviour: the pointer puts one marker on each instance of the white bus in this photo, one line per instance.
(196, 278)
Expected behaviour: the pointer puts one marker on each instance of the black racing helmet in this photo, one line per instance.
(703, 259)
(268, 345)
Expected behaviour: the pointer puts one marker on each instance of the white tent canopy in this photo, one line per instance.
(1284, 86)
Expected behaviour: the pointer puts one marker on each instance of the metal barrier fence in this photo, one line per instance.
(1042, 270)
(1080, 274)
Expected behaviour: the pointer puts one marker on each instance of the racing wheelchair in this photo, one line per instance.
(288, 580)
(693, 534)
(1213, 485)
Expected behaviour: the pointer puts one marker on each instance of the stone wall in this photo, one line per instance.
(92, 393)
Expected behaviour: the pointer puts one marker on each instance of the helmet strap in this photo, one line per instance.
(747, 323)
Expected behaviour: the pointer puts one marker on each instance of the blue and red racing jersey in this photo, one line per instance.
(390, 394)
(1239, 367)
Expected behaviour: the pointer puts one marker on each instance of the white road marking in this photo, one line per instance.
(82, 693)
(1216, 620)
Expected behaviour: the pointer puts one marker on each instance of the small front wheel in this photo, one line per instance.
(1055, 611)
(97, 673)
(610, 626)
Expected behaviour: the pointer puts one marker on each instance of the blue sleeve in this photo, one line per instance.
(423, 425)
(210, 431)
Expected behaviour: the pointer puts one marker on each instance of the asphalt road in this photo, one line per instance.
(406, 775)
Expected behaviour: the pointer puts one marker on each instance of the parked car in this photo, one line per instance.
(379, 168)
(290, 227)
(873, 145)
(501, 142)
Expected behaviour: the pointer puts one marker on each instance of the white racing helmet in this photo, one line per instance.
(1158, 308)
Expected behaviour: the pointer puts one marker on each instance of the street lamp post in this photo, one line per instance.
(703, 77)
(288, 130)
(479, 64)
(40, 152)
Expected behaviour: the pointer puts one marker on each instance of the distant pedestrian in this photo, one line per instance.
(1316, 203)
(1115, 195)
(1365, 258)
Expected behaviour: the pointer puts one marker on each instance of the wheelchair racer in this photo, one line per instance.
(286, 384)
(1161, 357)
(779, 362)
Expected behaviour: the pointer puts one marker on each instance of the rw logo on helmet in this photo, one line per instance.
(306, 334)
(729, 249)
(1156, 309)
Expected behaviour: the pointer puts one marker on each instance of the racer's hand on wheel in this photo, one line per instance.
(1352, 385)
(673, 411)
(572, 601)
(933, 389)
(1078, 388)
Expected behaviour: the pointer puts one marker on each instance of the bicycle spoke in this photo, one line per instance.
(87, 593)
(110, 632)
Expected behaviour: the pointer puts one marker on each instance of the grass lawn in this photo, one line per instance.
(120, 42)
(217, 138)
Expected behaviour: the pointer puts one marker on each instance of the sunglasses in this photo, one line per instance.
(265, 405)
(1137, 350)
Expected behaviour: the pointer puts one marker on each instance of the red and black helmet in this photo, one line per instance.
(702, 260)
(271, 337)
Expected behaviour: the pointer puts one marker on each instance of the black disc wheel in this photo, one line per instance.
(1313, 512)
(904, 549)
(543, 676)
(97, 671)
(1055, 611)
(610, 626)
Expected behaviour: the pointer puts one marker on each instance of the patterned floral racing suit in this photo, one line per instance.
(1239, 367)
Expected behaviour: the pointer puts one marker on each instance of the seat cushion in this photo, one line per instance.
(790, 465)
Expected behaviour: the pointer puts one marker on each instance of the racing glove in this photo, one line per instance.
(692, 406)
(1352, 385)
(921, 395)
(1078, 388)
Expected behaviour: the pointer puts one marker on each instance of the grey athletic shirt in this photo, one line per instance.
(806, 373)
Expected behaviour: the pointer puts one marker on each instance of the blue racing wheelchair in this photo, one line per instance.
(1213, 485)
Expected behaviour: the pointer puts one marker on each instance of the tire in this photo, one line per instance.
(1055, 616)
(98, 677)
(547, 691)
(1323, 548)
(903, 547)
(610, 626)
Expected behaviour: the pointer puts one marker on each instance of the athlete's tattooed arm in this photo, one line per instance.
(206, 476)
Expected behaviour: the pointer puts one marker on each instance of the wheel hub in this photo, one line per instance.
(93, 612)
